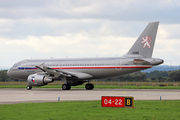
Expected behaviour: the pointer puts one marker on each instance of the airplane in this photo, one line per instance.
(76, 71)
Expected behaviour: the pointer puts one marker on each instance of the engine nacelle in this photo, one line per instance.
(38, 80)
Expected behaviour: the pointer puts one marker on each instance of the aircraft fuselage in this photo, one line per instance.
(97, 67)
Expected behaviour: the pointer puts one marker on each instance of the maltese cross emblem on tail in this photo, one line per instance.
(147, 41)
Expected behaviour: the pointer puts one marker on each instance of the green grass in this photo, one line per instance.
(97, 87)
(91, 110)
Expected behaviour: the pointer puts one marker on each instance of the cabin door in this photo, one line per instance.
(118, 64)
(60, 65)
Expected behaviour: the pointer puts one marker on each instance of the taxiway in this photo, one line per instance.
(21, 95)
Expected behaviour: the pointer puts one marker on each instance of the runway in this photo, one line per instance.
(21, 95)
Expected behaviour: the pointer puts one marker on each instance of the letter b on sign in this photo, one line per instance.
(128, 102)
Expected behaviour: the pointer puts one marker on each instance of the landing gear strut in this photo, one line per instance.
(66, 87)
(89, 86)
(29, 87)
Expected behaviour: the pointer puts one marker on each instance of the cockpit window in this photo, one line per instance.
(14, 65)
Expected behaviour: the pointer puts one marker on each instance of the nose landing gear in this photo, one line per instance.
(29, 87)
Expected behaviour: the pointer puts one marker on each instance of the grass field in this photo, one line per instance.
(91, 110)
(96, 87)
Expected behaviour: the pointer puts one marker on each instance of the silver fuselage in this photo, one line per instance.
(98, 68)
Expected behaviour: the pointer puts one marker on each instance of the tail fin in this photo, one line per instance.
(145, 43)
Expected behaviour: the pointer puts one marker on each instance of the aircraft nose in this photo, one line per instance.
(8, 72)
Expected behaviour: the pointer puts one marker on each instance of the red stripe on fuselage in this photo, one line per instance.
(103, 67)
(112, 67)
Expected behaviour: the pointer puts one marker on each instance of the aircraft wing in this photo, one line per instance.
(57, 73)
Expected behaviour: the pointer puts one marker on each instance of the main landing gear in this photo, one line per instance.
(66, 87)
(29, 87)
(89, 86)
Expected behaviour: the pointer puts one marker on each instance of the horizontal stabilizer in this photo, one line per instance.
(141, 62)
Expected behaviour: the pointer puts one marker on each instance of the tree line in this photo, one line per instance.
(138, 76)
(4, 77)
(153, 76)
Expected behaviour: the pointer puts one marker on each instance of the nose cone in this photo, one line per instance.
(11, 73)
(8, 73)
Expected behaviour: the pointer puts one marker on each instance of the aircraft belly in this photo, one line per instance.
(99, 74)
(105, 73)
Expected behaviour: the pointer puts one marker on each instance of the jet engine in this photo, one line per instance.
(38, 80)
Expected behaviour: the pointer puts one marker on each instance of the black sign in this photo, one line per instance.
(129, 101)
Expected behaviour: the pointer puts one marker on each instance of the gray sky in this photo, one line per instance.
(85, 28)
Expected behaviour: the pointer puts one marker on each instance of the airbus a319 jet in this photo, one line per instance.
(76, 71)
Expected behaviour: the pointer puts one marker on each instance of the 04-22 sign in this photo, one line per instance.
(115, 101)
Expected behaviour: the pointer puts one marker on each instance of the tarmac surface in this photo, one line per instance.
(21, 95)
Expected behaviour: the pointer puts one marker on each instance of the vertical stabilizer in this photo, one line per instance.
(145, 43)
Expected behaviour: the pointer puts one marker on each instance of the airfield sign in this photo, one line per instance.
(115, 101)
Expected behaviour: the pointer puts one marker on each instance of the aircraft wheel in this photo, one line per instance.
(89, 86)
(69, 87)
(29, 87)
(66, 87)
(92, 86)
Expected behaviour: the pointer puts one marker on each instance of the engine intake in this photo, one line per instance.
(38, 80)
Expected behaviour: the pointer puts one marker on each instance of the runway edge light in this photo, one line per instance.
(117, 101)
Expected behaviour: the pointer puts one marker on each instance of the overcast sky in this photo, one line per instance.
(85, 28)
